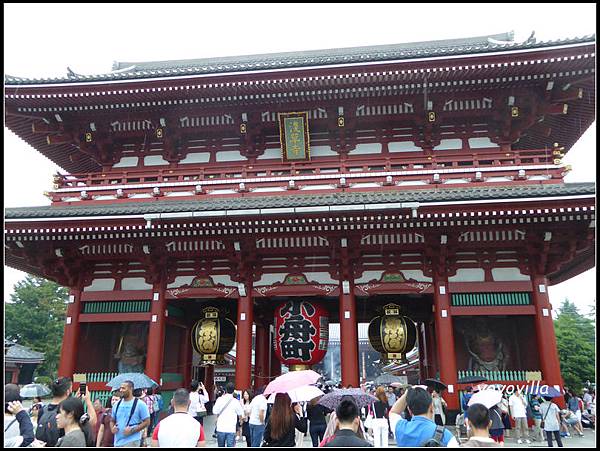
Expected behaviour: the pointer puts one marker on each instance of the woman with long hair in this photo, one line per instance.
(75, 423)
(283, 422)
(247, 396)
(380, 418)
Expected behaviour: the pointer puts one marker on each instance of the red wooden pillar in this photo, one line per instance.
(243, 349)
(185, 357)
(156, 332)
(348, 335)
(432, 366)
(546, 339)
(68, 353)
(261, 356)
(445, 339)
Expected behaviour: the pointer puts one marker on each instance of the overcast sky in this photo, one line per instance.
(41, 40)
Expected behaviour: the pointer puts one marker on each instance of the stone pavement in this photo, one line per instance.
(588, 441)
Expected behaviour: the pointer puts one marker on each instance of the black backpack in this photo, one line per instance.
(436, 440)
(47, 429)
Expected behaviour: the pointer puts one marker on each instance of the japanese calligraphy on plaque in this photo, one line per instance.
(301, 332)
(293, 131)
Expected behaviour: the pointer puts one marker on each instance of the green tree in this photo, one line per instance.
(35, 318)
(575, 336)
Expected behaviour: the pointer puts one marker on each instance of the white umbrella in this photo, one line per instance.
(300, 394)
(489, 398)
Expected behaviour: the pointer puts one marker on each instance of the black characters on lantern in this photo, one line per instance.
(297, 331)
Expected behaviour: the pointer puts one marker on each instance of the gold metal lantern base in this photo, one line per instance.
(299, 367)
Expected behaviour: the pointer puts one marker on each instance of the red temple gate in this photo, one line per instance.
(430, 177)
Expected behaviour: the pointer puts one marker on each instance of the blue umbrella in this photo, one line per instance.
(140, 380)
(543, 390)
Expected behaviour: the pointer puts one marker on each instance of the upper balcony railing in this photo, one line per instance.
(323, 173)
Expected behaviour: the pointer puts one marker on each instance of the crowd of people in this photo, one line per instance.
(409, 417)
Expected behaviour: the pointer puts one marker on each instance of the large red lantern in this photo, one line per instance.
(301, 333)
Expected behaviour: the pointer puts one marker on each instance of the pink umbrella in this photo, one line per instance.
(290, 381)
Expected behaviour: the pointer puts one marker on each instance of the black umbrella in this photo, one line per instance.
(472, 379)
(435, 384)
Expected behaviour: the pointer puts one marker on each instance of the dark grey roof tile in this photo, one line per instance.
(304, 200)
(137, 70)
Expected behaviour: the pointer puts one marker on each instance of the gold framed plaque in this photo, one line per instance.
(294, 138)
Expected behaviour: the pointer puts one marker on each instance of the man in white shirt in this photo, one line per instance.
(179, 430)
(518, 410)
(258, 411)
(229, 412)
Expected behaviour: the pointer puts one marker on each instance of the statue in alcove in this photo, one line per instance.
(131, 350)
(487, 349)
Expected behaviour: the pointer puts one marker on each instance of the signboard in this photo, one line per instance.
(293, 132)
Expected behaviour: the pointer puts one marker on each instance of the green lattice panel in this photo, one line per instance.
(116, 307)
(490, 299)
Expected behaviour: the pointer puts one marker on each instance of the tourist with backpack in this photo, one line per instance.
(47, 430)
(421, 430)
(130, 417)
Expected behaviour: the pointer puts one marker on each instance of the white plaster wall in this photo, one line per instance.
(181, 281)
(449, 144)
(101, 285)
(225, 280)
(270, 279)
(127, 162)
(403, 146)
(412, 183)
(314, 187)
(270, 154)
(468, 275)
(179, 194)
(230, 155)
(140, 196)
(483, 142)
(196, 157)
(367, 276)
(322, 151)
(508, 274)
(135, 283)
(366, 148)
(498, 179)
(155, 160)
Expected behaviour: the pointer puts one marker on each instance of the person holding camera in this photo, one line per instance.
(18, 430)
